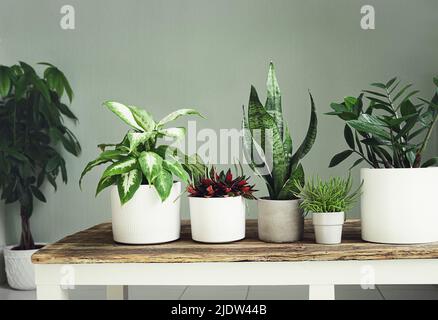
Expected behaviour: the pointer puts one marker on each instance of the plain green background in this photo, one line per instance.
(167, 54)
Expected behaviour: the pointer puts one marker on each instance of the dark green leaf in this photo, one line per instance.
(348, 135)
(338, 158)
(105, 183)
(5, 81)
(430, 162)
(128, 184)
(38, 194)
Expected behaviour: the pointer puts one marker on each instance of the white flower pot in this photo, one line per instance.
(280, 220)
(217, 220)
(399, 206)
(19, 268)
(145, 219)
(328, 227)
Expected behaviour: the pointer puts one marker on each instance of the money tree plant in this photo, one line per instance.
(139, 159)
(267, 136)
(32, 134)
(393, 131)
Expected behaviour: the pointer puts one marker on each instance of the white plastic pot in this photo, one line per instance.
(328, 227)
(145, 219)
(280, 220)
(217, 220)
(19, 268)
(399, 206)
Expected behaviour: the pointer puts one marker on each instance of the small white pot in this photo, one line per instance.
(19, 268)
(280, 220)
(399, 206)
(145, 219)
(328, 227)
(217, 220)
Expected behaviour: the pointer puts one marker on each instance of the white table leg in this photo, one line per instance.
(51, 292)
(117, 292)
(322, 292)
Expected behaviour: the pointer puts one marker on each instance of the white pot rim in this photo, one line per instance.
(398, 169)
(215, 198)
(267, 199)
(149, 187)
(17, 252)
(329, 213)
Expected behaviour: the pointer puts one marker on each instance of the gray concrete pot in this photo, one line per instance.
(280, 220)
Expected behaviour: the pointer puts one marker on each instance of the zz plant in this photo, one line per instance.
(266, 134)
(138, 159)
(32, 129)
(393, 131)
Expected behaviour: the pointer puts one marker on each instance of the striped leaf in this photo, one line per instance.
(105, 183)
(176, 114)
(150, 164)
(177, 133)
(123, 166)
(128, 184)
(163, 184)
(289, 189)
(273, 100)
(143, 118)
(137, 138)
(172, 165)
(123, 112)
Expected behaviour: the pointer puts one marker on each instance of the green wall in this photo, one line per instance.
(165, 54)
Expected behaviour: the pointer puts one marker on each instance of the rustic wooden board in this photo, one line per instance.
(96, 245)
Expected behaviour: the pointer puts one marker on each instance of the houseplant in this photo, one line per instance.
(328, 201)
(269, 152)
(32, 130)
(391, 134)
(144, 196)
(217, 206)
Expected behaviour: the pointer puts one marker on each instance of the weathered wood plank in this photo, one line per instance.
(96, 245)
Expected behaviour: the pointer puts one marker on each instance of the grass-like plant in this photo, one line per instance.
(334, 195)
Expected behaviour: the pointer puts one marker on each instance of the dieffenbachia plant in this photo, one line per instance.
(267, 135)
(138, 159)
(393, 131)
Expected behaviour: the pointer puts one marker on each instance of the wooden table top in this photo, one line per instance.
(96, 245)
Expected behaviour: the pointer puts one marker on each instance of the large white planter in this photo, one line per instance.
(19, 268)
(145, 219)
(399, 206)
(217, 220)
(280, 220)
(328, 227)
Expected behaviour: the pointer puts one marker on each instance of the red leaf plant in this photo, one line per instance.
(221, 185)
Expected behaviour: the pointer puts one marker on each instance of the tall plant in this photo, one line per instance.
(393, 131)
(31, 130)
(266, 135)
(140, 159)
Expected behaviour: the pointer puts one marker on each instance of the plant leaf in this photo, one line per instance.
(122, 166)
(163, 184)
(38, 194)
(177, 133)
(143, 118)
(289, 189)
(349, 138)
(273, 100)
(370, 124)
(128, 184)
(105, 182)
(150, 164)
(172, 165)
(123, 112)
(178, 113)
(338, 158)
(430, 163)
(137, 138)
(5, 81)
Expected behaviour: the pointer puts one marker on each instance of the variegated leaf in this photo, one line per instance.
(172, 165)
(137, 138)
(176, 114)
(105, 183)
(150, 164)
(128, 184)
(177, 133)
(273, 100)
(123, 112)
(123, 166)
(163, 184)
(143, 118)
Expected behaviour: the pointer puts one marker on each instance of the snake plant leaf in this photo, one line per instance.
(177, 133)
(172, 165)
(122, 166)
(5, 81)
(273, 100)
(105, 183)
(370, 124)
(338, 158)
(289, 189)
(178, 113)
(150, 164)
(260, 120)
(310, 138)
(128, 184)
(143, 118)
(163, 184)
(137, 138)
(430, 163)
(123, 112)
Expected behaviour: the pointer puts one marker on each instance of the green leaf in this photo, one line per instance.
(172, 165)
(54, 80)
(150, 164)
(349, 138)
(163, 184)
(5, 81)
(289, 189)
(356, 163)
(338, 158)
(65, 110)
(370, 124)
(430, 163)
(390, 82)
(400, 93)
(137, 138)
(143, 118)
(379, 85)
(273, 100)
(178, 113)
(128, 184)
(407, 108)
(177, 133)
(38, 194)
(410, 155)
(350, 102)
(123, 112)
(122, 166)
(41, 87)
(105, 183)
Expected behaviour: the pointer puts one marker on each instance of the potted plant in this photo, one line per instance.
(328, 201)
(268, 149)
(32, 131)
(217, 206)
(144, 195)
(391, 134)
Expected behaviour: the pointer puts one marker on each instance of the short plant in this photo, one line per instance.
(139, 159)
(333, 195)
(393, 131)
(220, 185)
(266, 133)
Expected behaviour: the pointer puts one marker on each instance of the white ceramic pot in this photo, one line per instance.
(328, 227)
(217, 220)
(19, 268)
(399, 206)
(280, 220)
(145, 219)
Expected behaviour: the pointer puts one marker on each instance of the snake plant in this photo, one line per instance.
(266, 134)
(138, 159)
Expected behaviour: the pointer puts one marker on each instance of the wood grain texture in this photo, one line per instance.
(96, 245)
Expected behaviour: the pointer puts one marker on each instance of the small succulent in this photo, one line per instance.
(221, 185)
